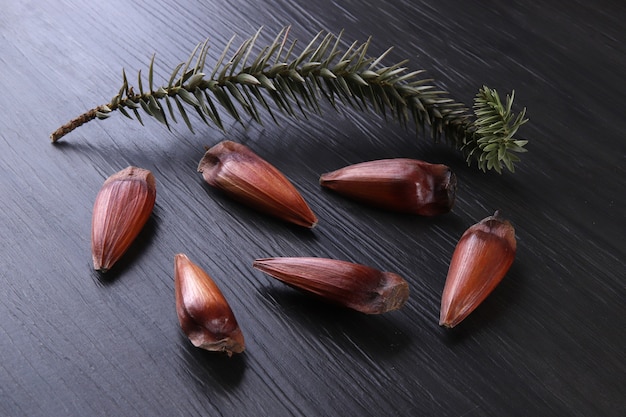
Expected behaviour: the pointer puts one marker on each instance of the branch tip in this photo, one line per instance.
(74, 123)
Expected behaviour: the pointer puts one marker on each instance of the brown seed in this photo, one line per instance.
(246, 177)
(351, 285)
(401, 184)
(203, 312)
(480, 260)
(122, 208)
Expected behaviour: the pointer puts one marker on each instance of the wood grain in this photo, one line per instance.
(549, 341)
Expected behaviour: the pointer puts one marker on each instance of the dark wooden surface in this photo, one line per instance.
(549, 341)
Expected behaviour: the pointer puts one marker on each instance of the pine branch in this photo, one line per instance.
(294, 83)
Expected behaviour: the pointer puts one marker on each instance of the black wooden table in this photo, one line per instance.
(549, 341)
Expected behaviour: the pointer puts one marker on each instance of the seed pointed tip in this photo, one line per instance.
(98, 267)
(446, 324)
(449, 318)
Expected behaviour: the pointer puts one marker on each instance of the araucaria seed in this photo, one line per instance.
(246, 177)
(122, 208)
(401, 184)
(203, 313)
(351, 285)
(480, 260)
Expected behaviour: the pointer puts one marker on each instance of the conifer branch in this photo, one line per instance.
(277, 77)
